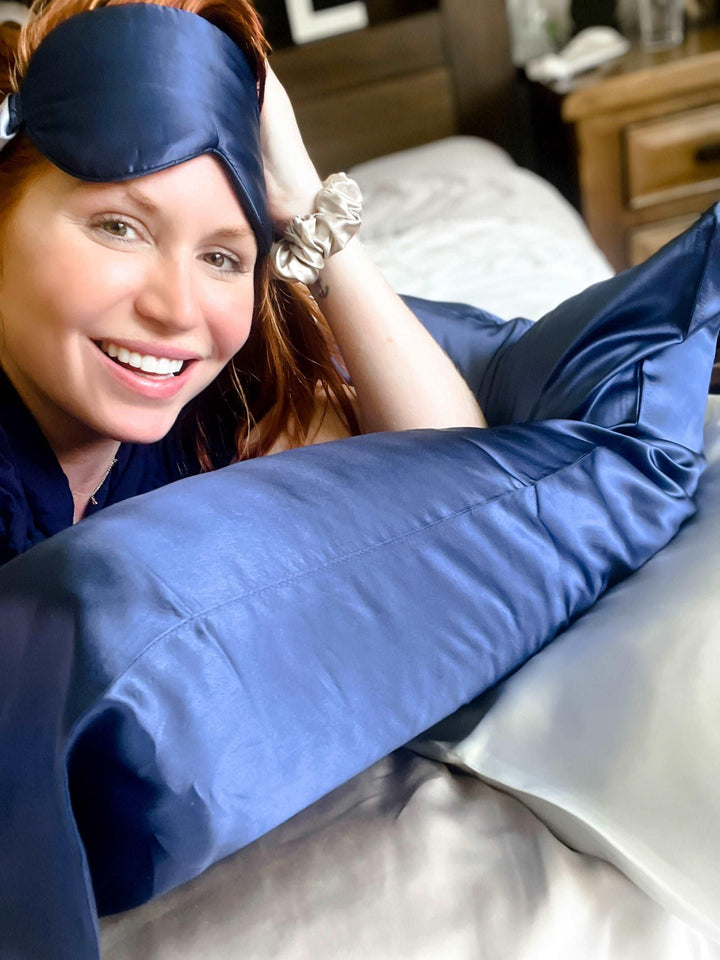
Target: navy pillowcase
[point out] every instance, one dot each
(203, 661)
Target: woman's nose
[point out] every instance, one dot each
(168, 293)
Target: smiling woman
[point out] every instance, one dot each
(144, 323)
(190, 668)
(157, 298)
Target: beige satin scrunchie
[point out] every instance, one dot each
(308, 242)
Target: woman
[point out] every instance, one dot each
(147, 332)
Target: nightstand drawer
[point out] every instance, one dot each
(644, 241)
(673, 157)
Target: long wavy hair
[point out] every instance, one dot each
(270, 388)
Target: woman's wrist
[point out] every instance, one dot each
(402, 378)
(299, 203)
(334, 268)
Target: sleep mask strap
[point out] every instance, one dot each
(9, 121)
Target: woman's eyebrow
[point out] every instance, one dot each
(233, 233)
(138, 197)
(142, 200)
(126, 190)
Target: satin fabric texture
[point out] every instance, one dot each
(610, 734)
(189, 668)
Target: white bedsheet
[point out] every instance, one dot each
(458, 220)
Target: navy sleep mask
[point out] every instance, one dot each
(120, 92)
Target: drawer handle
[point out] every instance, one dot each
(708, 154)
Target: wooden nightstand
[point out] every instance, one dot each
(647, 130)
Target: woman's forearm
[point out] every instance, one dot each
(402, 378)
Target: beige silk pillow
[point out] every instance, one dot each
(611, 734)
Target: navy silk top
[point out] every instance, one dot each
(35, 497)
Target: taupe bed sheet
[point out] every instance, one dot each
(409, 861)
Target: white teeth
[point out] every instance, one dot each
(147, 362)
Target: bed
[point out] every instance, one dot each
(571, 811)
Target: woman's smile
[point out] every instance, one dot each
(145, 362)
(147, 374)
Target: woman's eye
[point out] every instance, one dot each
(223, 262)
(119, 229)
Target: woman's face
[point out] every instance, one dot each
(120, 302)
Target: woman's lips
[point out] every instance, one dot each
(144, 348)
(151, 385)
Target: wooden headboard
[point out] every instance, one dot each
(403, 83)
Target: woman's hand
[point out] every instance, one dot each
(290, 177)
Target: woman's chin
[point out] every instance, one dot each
(138, 432)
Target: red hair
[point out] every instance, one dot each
(269, 388)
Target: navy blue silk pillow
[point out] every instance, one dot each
(200, 663)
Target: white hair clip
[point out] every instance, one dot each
(6, 123)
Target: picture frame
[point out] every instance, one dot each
(316, 19)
